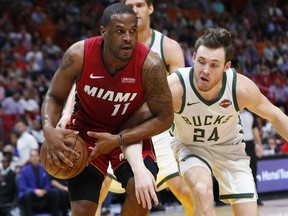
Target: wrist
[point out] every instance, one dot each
(121, 140)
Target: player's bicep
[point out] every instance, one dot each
(158, 94)
(249, 96)
(67, 73)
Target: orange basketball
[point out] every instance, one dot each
(76, 143)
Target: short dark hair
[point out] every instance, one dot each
(216, 38)
(149, 2)
(117, 8)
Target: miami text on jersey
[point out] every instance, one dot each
(109, 95)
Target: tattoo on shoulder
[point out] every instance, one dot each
(67, 60)
(159, 94)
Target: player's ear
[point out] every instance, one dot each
(227, 66)
(102, 30)
(194, 56)
(151, 9)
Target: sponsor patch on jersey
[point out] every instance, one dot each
(225, 103)
(128, 80)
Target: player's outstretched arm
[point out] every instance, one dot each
(54, 101)
(249, 96)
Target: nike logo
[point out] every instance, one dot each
(96, 77)
(190, 104)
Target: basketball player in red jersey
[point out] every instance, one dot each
(114, 76)
(171, 54)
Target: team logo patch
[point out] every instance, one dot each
(225, 103)
(128, 80)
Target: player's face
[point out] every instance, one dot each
(209, 66)
(121, 36)
(142, 11)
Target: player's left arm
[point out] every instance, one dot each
(158, 98)
(249, 96)
(159, 105)
(173, 55)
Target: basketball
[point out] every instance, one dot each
(77, 144)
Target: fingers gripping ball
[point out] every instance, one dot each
(77, 144)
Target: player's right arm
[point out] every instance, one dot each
(249, 96)
(61, 84)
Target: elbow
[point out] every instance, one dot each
(168, 122)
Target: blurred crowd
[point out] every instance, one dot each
(34, 34)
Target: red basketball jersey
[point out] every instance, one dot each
(104, 102)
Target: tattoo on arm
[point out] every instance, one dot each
(159, 96)
(67, 60)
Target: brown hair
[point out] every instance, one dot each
(216, 38)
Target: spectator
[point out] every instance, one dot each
(30, 105)
(38, 16)
(12, 105)
(25, 142)
(36, 53)
(271, 147)
(13, 142)
(269, 53)
(277, 92)
(61, 186)
(8, 151)
(2, 89)
(53, 50)
(218, 6)
(8, 186)
(37, 131)
(35, 190)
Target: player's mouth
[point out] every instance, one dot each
(204, 79)
(126, 47)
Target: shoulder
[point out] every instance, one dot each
(153, 58)
(26, 168)
(248, 93)
(171, 44)
(76, 49)
(173, 54)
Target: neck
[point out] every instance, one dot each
(113, 65)
(212, 93)
(145, 35)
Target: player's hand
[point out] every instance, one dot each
(106, 142)
(145, 188)
(56, 147)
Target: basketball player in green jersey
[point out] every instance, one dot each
(171, 53)
(208, 136)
